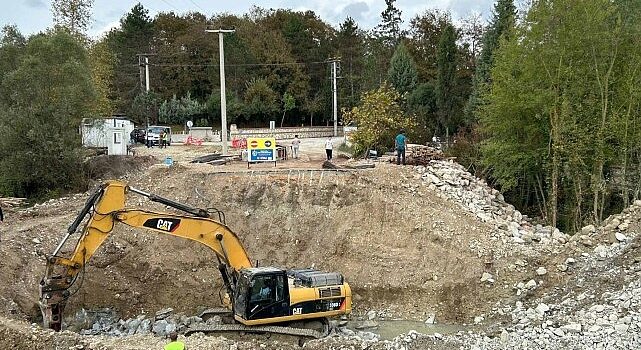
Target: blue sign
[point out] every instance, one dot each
(261, 155)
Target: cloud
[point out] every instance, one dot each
(463, 8)
(35, 3)
(99, 29)
(356, 10)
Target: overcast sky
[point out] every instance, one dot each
(32, 16)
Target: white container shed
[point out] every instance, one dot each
(111, 133)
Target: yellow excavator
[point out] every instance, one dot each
(260, 299)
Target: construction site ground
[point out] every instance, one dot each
(408, 252)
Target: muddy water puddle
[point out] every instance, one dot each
(389, 329)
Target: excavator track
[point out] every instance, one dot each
(292, 331)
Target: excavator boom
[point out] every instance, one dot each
(105, 208)
(263, 299)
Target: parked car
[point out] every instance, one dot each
(153, 134)
(138, 135)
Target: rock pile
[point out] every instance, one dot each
(421, 155)
(105, 322)
(452, 181)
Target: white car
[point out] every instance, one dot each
(153, 134)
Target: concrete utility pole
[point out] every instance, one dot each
(147, 74)
(147, 85)
(334, 62)
(223, 98)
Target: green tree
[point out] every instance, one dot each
(132, 38)
(389, 30)
(381, 44)
(144, 109)
(289, 102)
(74, 15)
(570, 74)
(402, 72)
(12, 43)
(378, 117)
(446, 98)
(42, 102)
(423, 43)
(502, 23)
(261, 102)
(350, 44)
(102, 62)
(421, 102)
(179, 110)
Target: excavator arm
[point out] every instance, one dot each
(105, 208)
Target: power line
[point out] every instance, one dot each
(238, 64)
(170, 5)
(202, 9)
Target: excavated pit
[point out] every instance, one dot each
(390, 245)
(408, 252)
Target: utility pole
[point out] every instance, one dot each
(143, 61)
(334, 61)
(146, 82)
(147, 74)
(223, 98)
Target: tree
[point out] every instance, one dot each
(260, 100)
(570, 73)
(384, 39)
(144, 109)
(402, 72)
(288, 104)
(12, 43)
(102, 62)
(389, 30)
(178, 111)
(502, 23)
(446, 99)
(378, 117)
(421, 102)
(132, 38)
(424, 38)
(42, 101)
(74, 15)
(350, 44)
(472, 30)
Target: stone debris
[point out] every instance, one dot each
(476, 196)
(487, 277)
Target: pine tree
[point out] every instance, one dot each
(446, 79)
(502, 22)
(402, 72)
(351, 49)
(389, 30)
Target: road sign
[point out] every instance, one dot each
(261, 149)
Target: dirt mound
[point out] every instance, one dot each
(114, 167)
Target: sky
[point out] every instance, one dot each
(33, 16)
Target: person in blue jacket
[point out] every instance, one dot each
(400, 143)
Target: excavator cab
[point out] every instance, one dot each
(262, 292)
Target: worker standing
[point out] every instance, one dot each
(295, 145)
(174, 344)
(399, 144)
(161, 139)
(329, 146)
